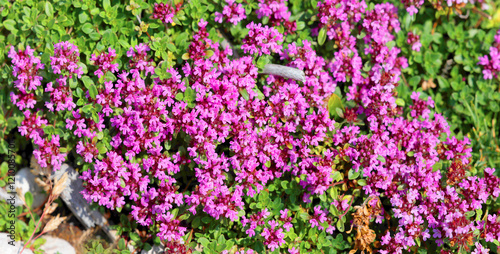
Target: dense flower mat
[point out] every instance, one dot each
(175, 124)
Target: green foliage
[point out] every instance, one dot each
(449, 58)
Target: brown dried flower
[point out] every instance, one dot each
(50, 208)
(43, 184)
(60, 184)
(362, 216)
(53, 223)
(428, 84)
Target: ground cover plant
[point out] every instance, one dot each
(387, 144)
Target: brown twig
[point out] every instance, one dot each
(404, 79)
(482, 13)
(188, 184)
(347, 210)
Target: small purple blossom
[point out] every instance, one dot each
(262, 40)
(65, 59)
(103, 62)
(233, 12)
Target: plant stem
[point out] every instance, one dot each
(37, 225)
(347, 210)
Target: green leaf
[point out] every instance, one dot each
(262, 61)
(83, 17)
(339, 112)
(304, 216)
(28, 197)
(268, 164)
(101, 148)
(340, 225)
(352, 174)
(381, 158)
(147, 247)
(470, 214)
(334, 103)
(414, 81)
(400, 102)
(189, 95)
(479, 213)
(206, 219)
(95, 36)
(244, 94)
(49, 10)
(334, 193)
(221, 240)
(134, 237)
(106, 4)
(121, 244)
(86, 108)
(209, 53)
(322, 36)
(284, 184)
(361, 182)
(179, 96)
(87, 81)
(92, 91)
(9, 24)
(337, 176)
(417, 240)
(300, 25)
(87, 28)
(204, 242)
(437, 166)
(196, 222)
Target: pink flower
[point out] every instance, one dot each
(164, 12)
(25, 69)
(103, 62)
(414, 41)
(65, 59)
(262, 40)
(233, 12)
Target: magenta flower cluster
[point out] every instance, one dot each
(491, 62)
(278, 14)
(414, 41)
(103, 61)
(25, 69)
(262, 40)
(65, 60)
(165, 12)
(232, 12)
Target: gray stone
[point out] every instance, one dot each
(26, 181)
(73, 198)
(155, 250)
(4, 195)
(13, 248)
(55, 245)
(284, 71)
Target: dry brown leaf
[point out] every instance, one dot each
(428, 84)
(60, 184)
(50, 208)
(43, 184)
(364, 235)
(53, 223)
